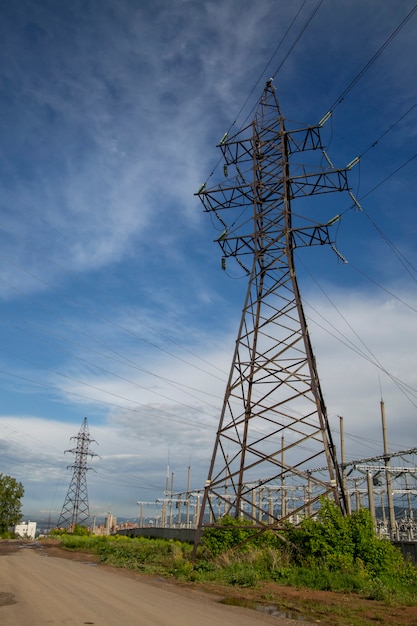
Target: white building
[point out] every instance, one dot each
(26, 530)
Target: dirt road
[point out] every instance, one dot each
(37, 590)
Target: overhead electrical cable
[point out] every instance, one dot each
(165, 415)
(407, 389)
(262, 74)
(75, 275)
(162, 413)
(371, 61)
(406, 263)
(122, 308)
(123, 360)
(94, 365)
(389, 129)
(408, 392)
(368, 355)
(306, 25)
(106, 319)
(384, 180)
(375, 282)
(298, 38)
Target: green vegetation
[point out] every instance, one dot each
(78, 530)
(11, 494)
(331, 553)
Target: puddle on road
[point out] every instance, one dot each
(268, 609)
(6, 598)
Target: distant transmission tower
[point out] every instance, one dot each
(273, 427)
(75, 509)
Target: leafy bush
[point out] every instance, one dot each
(228, 536)
(237, 533)
(344, 543)
(341, 553)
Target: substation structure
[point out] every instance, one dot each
(386, 485)
(389, 491)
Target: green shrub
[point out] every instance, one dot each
(229, 535)
(338, 542)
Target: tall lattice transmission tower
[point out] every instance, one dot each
(75, 509)
(273, 428)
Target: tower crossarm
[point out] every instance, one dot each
(309, 183)
(303, 139)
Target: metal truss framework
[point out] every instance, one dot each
(273, 424)
(75, 509)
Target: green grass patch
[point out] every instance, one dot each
(333, 553)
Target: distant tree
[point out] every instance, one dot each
(11, 493)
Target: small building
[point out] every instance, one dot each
(26, 530)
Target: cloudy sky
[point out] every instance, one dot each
(114, 305)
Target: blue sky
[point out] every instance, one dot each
(113, 302)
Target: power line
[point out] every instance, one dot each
(407, 390)
(108, 320)
(384, 180)
(306, 25)
(371, 61)
(298, 38)
(149, 389)
(389, 129)
(407, 265)
(164, 415)
(75, 276)
(261, 75)
(281, 41)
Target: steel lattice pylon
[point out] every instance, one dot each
(273, 426)
(76, 509)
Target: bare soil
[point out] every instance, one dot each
(325, 607)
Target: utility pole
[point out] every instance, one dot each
(387, 459)
(343, 459)
(75, 509)
(273, 387)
